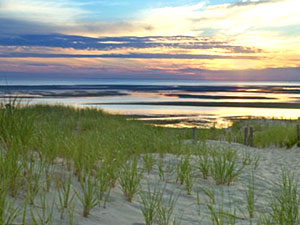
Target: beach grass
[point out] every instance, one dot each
(130, 179)
(148, 162)
(8, 211)
(250, 195)
(150, 201)
(88, 195)
(225, 167)
(285, 202)
(58, 155)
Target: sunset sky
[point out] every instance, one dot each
(170, 39)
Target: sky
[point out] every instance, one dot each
(151, 39)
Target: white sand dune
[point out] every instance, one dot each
(232, 198)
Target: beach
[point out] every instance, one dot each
(182, 112)
(65, 165)
(193, 208)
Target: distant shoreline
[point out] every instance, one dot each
(292, 89)
(211, 104)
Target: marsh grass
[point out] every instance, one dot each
(104, 181)
(113, 173)
(88, 195)
(166, 210)
(246, 158)
(48, 176)
(279, 133)
(256, 161)
(170, 169)
(97, 146)
(150, 202)
(130, 179)
(268, 133)
(189, 181)
(11, 171)
(204, 165)
(210, 193)
(148, 162)
(24, 211)
(158, 207)
(250, 159)
(220, 216)
(285, 202)
(250, 195)
(222, 213)
(34, 173)
(8, 211)
(184, 169)
(225, 167)
(71, 211)
(198, 204)
(35, 138)
(65, 196)
(264, 220)
(44, 214)
(16, 127)
(161, 170)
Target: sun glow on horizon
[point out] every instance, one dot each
(187, 39)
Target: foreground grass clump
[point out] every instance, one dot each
(225, 167)
(150, 201)
(185, 173)
(285, 202)
(130, 179)
(8, 212)
(250, 196)
(148, 162)
(88, 198)
(159, 210)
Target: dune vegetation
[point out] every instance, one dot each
(61, 165)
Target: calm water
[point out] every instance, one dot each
(120, 96)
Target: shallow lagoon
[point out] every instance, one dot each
(137, 98)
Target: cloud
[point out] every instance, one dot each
(50, 11)
(69, 16)
(252, 3)
(123, 42)
(115, 28)
(9, 27)
(13, 26)
(219, 36)
(239, 21)
(269, 74)
(229, 19)
(172, 20)
(272, 74)
(126, 56)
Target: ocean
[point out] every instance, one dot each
(175, 103)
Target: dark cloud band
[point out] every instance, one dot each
(127, 42)
(128, 56)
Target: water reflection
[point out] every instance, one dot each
(118, 93)
(202, 117)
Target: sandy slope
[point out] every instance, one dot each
(120, 211)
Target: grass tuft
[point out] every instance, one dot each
(225, 168)
(130, 179)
